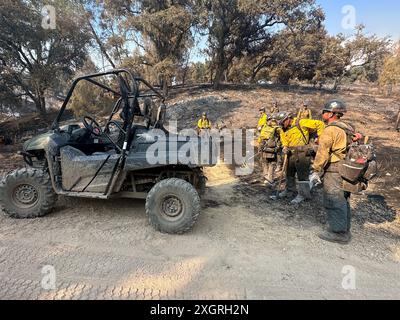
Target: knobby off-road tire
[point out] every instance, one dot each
(173, 206)
(27, 193)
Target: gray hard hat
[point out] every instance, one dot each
(282, 116)
(335, 106)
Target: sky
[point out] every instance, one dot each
(381, 17)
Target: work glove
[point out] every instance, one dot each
(259, 129)
(315, 179)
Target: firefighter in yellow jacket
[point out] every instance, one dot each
(262, 120)
(295, 139)
(304, 112)
(274, 108)
(204, 123)
(268, 145)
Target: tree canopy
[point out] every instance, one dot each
(241, 41)
(33, 58)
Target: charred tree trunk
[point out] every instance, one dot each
(221, 65)
(265, 62)
(256, 70)
(40, 105)
(253, 77)
(163, 83)
(40, 102)
(219, 75)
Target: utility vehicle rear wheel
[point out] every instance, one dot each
(27, 193)
(173, 206)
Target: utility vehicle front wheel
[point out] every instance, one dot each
(173, 206)
(27, 193)
(201, 185)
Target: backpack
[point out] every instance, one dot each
(359, 166)
(270, 146)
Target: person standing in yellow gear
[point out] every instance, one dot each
(262, 120)
(295, 139)
(274, 108)
(304, 112)
(268, 145)
(204, 123)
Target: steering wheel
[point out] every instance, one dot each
(92, 126)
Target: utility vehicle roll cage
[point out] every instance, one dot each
(126, 92)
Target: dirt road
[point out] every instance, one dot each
(241, 247)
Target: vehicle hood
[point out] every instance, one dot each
(39, 142)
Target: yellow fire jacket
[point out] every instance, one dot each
(262, 121)
(267, 132)
(293, 137)
(332, 147)
(204, 124)
(304, 114)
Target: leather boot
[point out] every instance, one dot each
(337, 237)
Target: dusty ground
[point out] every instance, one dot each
(243, 246)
